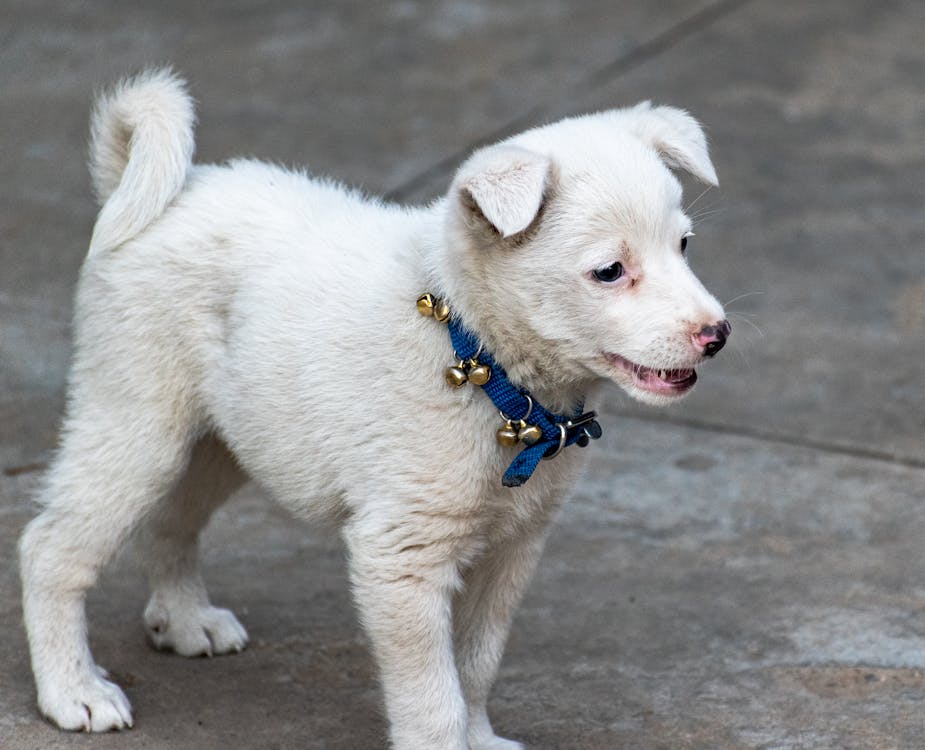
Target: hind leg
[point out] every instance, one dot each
(179, 616)
(118, 458)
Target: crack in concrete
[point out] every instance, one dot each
(794, 441)
(663, 42)
(645, 51)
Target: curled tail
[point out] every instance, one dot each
(141, 150)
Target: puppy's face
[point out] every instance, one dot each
(575, 247)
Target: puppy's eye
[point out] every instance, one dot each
(684, 241)
(610, 273)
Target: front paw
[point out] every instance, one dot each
(87, 703)
(194, 630)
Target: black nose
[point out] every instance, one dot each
(713, 338)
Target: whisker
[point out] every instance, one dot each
(741, 296)
(705, 213)
(745, 360)
(739, 316)
(693, 202)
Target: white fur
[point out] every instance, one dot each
(244, 320)
(507, 184)
(151, 118)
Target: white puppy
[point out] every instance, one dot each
(247, 321)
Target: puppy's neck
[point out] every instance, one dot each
(526, 357)
(523, 358)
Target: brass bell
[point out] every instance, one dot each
(530, 434)
(456, 375)
(426, 304)
(441, 311)
(478, 374)
(507, 435)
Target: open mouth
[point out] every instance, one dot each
(654, 380)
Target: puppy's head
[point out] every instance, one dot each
(568, 248)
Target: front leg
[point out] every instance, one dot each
(484, 609)
(403, 580)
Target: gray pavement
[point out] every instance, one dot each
(743, 571)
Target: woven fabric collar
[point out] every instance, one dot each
(517, 406)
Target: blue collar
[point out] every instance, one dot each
(522, 414)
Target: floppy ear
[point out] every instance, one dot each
(505, 184)
(677, 137)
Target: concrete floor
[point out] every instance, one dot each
(743, 571)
